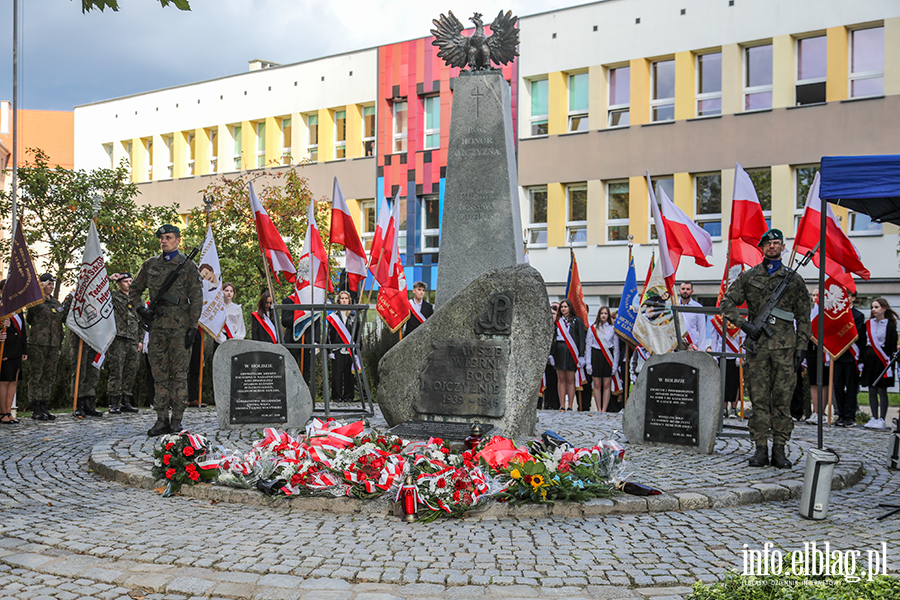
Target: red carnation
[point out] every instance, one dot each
(194, 476)
(188, 451)
(441, 483)
(456, 495)
(169, 445)
(170, 473)
(527, 479)
(167, 458)
(446, 451)
(295, 479)
(191, 468)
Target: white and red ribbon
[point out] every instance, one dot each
(266, 324)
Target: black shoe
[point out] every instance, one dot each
(89, 409)
(840, 423)
(175, 427)
(50, 416)
(779, 458)
(161, 427)
(126, 405)
(760, 458)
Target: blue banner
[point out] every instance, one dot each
(628, 306)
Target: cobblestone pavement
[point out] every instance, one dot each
(68, 533)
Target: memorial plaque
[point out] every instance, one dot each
(258, 388)
(673, 407)
(465, 377)
(442, 429)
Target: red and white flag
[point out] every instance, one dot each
(842, 256)
(270, 241)
(343, 232)
(840, 329)
(748, 224)
(314, 250)
(382, 248)
(393, 297)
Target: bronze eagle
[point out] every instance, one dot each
(476, 50)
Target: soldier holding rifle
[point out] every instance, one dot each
(176, 300)
(776, 299)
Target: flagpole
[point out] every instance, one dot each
(208, 202)
(627, 383)
(96, 207)
(380, 256)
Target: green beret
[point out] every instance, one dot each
(772, 234)
(167, 228)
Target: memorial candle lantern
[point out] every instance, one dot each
(408, 496)
(475, 437)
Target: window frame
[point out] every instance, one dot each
(191, 148)
(705, 96)
(767, 214)
(617, 222)
(535, 227)
(800, 203)
(260, 130)
(312, 148)
(368, 142)
(540, 119)
(701, 218)
(236, 137)
(863, 75)
(434, 232)
(657, 104)
(400, 143)
(748, 90)
(367, 236)
(170, 162)
(582, 115)
(573, 227)
(212, 136)
(434, 100)
(148, 146)
(340, 134)
(809, 81)
(286, 139)
(651, 226)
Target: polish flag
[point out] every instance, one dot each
(381, 227)
(384, 270)
(343, 232)
(840, 331)
(841, 255)
(318, 258)
(393, 303)
(271, 242)
(748, 224)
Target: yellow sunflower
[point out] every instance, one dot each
(537, 481)
(515, 474)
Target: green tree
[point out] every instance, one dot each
(55, 207)
(89, 5)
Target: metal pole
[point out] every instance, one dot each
(15, 115)
(823, 207)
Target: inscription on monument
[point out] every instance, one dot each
(672, 414)
(258, 388)
(465, 377)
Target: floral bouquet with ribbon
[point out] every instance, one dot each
(179, 459)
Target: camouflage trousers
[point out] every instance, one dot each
(771, 376)
(122, 361)
(42, 362)
(89, 375)
(169, 363)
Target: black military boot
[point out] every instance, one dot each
(161, 427)
(779, 458)
(114, 404)
(79, 409)
(175, 426)
(126, 405)
(760, 458)
(40, 412)
(89, 409)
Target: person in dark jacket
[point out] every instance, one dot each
(568, 352)
(342, 358)
(15, 350)
(846, 372)
(881, 334)
(262, 329)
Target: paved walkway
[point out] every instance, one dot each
(67, 532)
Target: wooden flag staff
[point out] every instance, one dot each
(96, 207)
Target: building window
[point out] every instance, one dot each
(812, 63)
(128, 148)
(213, 150)
(619, 97)
(576, 215)
(108, 149)
(368, 221)
(662, 96)
(708, 203)
(368, 135)
(537, 217)
(867, 62)
(617, 205)
(286, 141)
(709, 84)
(312, 146)
(804, 177)
(170, 154)
(400, 127)
(578, 102)
(661, 185)
(236, 134)
(762, 182)
(191, 152)
(148, 144)
(540, 101)
(340, 134)
(429, 223)
(862, 224)
(758, 77)
(432, 122)
(260, 145)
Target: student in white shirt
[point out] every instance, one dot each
(601, 365)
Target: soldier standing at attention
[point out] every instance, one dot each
(122, 356)
(45, 343)
(772, 369)
(172, 326)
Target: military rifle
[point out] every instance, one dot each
(148, 313)
(766, 317)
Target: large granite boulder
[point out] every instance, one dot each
(479, 358)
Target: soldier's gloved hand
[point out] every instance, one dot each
(145, 313)
(753, 332)
(189, 338)
(799, 357)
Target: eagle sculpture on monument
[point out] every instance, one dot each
(478, 50)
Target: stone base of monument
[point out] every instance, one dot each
(676, 401)
(479, 358)
(454, 432)
(258, 385)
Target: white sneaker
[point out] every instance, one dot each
(876, 424)
(813, 418)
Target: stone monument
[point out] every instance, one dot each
(479, 358)
(258, 385)
(676, 400)
(481, 227)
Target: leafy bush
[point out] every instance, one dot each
(796, 587)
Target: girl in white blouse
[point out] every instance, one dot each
(602, 365)
(234, 317)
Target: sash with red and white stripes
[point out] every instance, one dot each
(878, 350)
(98, 360)
(227, 331)
(18, 323)
(567, 337)
(602, 348)
(335, 321)
(266, 323)
(416, 311)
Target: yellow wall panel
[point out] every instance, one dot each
(838, 71)
(556, 214)
(557, 105)
(354, 130)
(891, 54)
(596, 215)
(201, 152)
(355, 208)
(638, 208)
(732, 79)
(598, 97)
(248, 145)
(782, 71)
(138, 161)
(685, 85)
(640, 92)
(684, 193)
(326, 135)
(179, 155)
(783, 199)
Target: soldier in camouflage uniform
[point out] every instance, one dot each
(88, 376)
(44, 345)
(122, 356)
(772, 370)
(172, 326)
